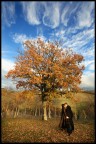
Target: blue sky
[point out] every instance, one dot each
(72, 22)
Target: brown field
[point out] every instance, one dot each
(35, 130)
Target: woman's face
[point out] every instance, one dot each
(65, 105)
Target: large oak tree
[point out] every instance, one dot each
(46, 67)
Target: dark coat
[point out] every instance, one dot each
(67, 123)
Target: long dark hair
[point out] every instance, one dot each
(62, 108)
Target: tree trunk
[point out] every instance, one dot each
(36, 111)
(15, 114)
(17, 111)
(49, 112)
(84, 113)
(55, 111)
(7, 112)
(39, 111)
(33, 112)
(25, 112)
(75, 115)
(12, 113)
(44, 116)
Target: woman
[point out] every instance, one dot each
(66, 121)
(62, 124)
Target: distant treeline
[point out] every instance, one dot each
(16, 104)
(88, 91)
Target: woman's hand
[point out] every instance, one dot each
(67, 117)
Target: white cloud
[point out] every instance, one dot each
(8, 13)
(48, 12)
(30, 10)
(60, 33)
(88, 62)
(84, 16)
(7, 65)
(39, 31)
(42, 37)
(90, 52)
(79, 40)
(92, 66)
(51, 16)
(76, 41)
(72, 30)
(64, 18)
(88, 80)
(68, 10)
(20, 38)
(6, 52)
(51, 13)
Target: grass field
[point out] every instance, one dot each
(35, 130)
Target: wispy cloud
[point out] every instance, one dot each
(79, 40)
(92, 66)
(84, 16)
(40, 34)
(68, 10)
(8, 52)
(30, 10)
(8, 13)
(88, 62)
(39, 31)
(34, 14)
(51, 17)
(52, 14)
(19, 38)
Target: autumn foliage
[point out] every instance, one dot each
(46, 67)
